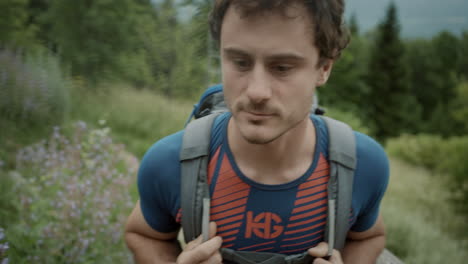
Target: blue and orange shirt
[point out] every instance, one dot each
(285, 218)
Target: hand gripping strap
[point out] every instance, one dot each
(342, 157)
(194, 183)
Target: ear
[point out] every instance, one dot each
(324, 72)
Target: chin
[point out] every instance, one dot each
(258, 140)
(256, 136)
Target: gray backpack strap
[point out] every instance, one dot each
(194, 188)
(342, 158)
(194, 156)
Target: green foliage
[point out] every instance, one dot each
(34, 91)
(349, 118)
(205, 46)
(92, 36)
(459, 108)
(390, 107)
(422, 150)
(3, 247)
(432, 66)
(393, 86)
(179, 69)
(447, 156)
(137, 118)
(353, 25)
(346, 87)
(15, 31)
(456, 149)
(71, 196)
(419, 217)
(462, 62)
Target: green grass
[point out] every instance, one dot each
(14, 136)
(137, 118)
(422, 226)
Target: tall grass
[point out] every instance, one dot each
(34, 95)
(138, 118)
(440, 155)
(422, 225)
(33, 89)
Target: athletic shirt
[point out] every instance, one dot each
(284, 218)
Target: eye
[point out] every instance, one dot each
(242, 64)
(282, 68)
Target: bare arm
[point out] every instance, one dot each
(147, 245)
(152, 247)
(361, 247)
(365, 247)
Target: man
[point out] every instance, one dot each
(268, 167)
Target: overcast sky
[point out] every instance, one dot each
(419, 18)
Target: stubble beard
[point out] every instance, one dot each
(263, 139)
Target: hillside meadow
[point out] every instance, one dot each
(86, 87)
(115, 128)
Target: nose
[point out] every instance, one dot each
(259, 85)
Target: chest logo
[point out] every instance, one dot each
(264, 225)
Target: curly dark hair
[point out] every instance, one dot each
(326, 16)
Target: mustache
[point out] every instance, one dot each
(256, 108)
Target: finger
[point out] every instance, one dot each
(336, 257)
(319, 251)
(321, 261)
(215, 259)
(194, 243)
(205, 250)
(213, 229)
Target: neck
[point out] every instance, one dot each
(280, 161)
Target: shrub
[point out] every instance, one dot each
(33, 89)
(444, 156)
(3, 247)
(421, 150)
(349, 118)
(419, 217)
(74, 196)
(455, 151)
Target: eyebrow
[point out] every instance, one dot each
(279, 56)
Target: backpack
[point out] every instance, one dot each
(195, 200)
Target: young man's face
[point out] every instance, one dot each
(270, 71)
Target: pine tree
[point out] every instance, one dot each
(353, 25)
(390, 107)
(432, 67)
(462, 64)
(346, 87)
(205, 46)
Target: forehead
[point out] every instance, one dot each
(290, 28)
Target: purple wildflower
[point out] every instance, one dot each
(87, 198)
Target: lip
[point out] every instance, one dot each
(258, 115)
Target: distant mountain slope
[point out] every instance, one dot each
(419, 18)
